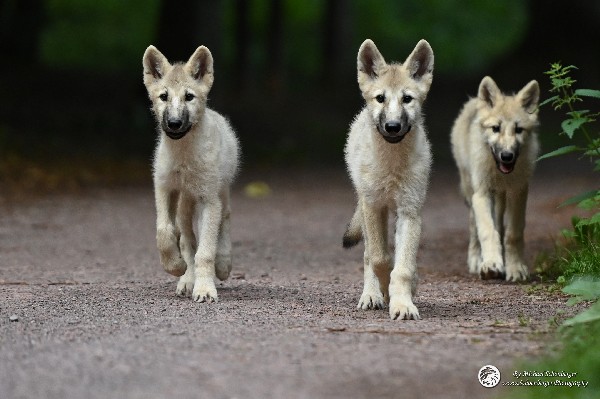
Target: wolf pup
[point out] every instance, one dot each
(194, 165)
(495, 147)
(389, 158)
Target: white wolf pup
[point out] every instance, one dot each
(495, 147)
(389, 159)
(194, 165)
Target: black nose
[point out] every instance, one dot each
(393, 127)
(174, 124)
(507, 156)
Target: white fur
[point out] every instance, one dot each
(490, 194)
(192, 178)
(389, 178)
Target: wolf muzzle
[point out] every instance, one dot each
(176, 127)
(394, 132)
(505, 159)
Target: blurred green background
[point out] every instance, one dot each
(73, 108)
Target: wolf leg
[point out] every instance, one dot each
(187, 244)
(223, 258)
(204, 284)
(492, 265)
(404, 275)
(167, 234)
(376, 259)
(353, 233)
(474, 254)
(514, 241)
(499, 210)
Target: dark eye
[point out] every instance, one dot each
(380, 98)
(164, 96)
(189, 96)
(406, 99)
(518, 129)
(496, 128)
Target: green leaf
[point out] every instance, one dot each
(590, 203)
(561, 151)
(549, 100)
(593, 148)
(578, 114)
(570, 125)
(587, 222)
(590, 315)
(575, 300)
(589, 288)
(578, 198)
(588, 93)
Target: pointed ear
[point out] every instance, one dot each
(155, 65)
(200, 66)
(529, 96)
(369, 61)
(489, 91)
(420, 62)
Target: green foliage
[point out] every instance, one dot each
(570, 261)
(465, 35)
(583, 289)
(578, 355)
(580, 334)
(117, 32)
(98, 35)
(580, 338)
(566, 96)
(582, 255)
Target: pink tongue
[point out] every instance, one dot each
(505, 168)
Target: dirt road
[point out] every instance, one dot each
(96, 317)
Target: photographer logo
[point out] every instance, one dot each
(489, 376)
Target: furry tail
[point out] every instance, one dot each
(353, 234)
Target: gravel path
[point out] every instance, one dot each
(96, 317)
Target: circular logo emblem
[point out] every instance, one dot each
(488, 376)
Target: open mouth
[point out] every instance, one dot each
(394, 139)
(505, 168)
(177, 134)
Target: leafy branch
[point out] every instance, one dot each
(562, 84)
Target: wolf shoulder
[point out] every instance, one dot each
(228, 144)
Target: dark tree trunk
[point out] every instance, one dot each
(275, 48)
(242, 41)
(336, 39)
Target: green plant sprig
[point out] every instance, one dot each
(562, 84)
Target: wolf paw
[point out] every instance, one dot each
(516, 272)
(205, 290)
(170, 256)
(174, 265)
(371, 301)
(490, 270)
(223, 266)
(185, 286)
(402, 309)
(474, 263)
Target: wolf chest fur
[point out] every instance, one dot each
(195, 162)
(495, 145)
(389, 158)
